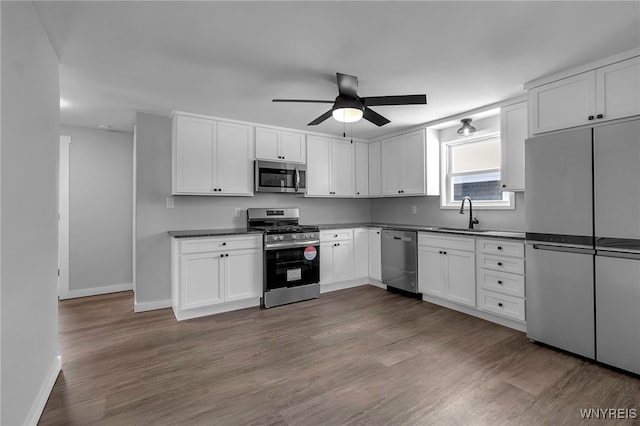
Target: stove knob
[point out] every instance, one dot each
(281, 237)
(294, 236)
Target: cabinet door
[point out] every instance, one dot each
(326, 262)
(430, 273)
(618, 312)
(292, 147)
(243, 277)
(343, 261)
(392, 167)
(360, 253)
(194, 149)
(461, 277)
(562, 104)
(318, 165)
(375, 170)
(267, 141)
(201, 278)
(375, 255)
(414, 178)
(234, 159)
(342, 168)
(618, 88)
(513, 132)
(362, 169)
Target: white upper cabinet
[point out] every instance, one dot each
(211, 157)
(513, 132)
(564, 103)
(404, 165)
(604, 93)
(362, 169)
(375, 169)
(330, 167)
(618, 89)
(278, 145)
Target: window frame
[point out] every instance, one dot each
(446, 177)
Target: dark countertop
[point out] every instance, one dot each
(489, 233)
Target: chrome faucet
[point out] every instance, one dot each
(472, 220)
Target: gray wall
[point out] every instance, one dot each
(29, 207)
(153, 219)
(398, 210)
(100, 209)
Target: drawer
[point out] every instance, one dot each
(336, 235)
(454, 243)
(499, 263)
(198, 245)
(500, 304)
(501, 282)
(501, 247)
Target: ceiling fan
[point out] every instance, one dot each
(348, 107)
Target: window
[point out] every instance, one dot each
(472, 168)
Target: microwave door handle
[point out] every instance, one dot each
(297, 180)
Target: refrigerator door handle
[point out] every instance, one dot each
(618, 254)
(548, 247)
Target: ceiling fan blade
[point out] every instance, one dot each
(321, 118)
(395, 100)
(303, 100)
(347, 85)
(374, 117)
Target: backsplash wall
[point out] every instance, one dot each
(398, 210)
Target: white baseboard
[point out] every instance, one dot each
(377, 283)
(516, 325)
(45, 390)
(216, 309)
(114, 288)
(341, 285)
(151, 306)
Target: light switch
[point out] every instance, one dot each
(170, 202)
(414, 209)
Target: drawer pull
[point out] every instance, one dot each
(500, 282)
(335, 236)
(500, 304)
(499, 263)
(499, 247)
(224, 244)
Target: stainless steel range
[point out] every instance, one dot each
(291, 255)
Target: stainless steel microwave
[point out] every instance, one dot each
(272, 176)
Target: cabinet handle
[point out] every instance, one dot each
(337, 244)
(504, 185)
(499, 263)
(220, 189)
(440, 252)
(500, 282)
(591, 117)
(283, 157)
(599, 116)
(224, 244)
(226, 255)
(499, 247)
(378, 232)
(500, 304)
(357, 193)
(222, 255)
(335, 236)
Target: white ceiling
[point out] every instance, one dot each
(229, 59)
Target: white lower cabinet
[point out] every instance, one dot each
(446, 268)
(212, 275)
(360, 253)
(336, 255)
(375, 254)
(500, 277)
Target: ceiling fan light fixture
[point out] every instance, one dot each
(466, 129)
(347, 115)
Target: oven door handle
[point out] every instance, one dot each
(286, 245)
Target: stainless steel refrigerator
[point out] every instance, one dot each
(582, 207)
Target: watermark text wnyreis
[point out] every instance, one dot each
(608, 413)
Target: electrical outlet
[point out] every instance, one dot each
(170, 203)
(414, 209)
(238, 212)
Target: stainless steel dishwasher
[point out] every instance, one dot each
(400, 260)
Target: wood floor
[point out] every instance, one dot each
(360, 356)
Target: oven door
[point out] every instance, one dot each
(280, 177)
(291, 266)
